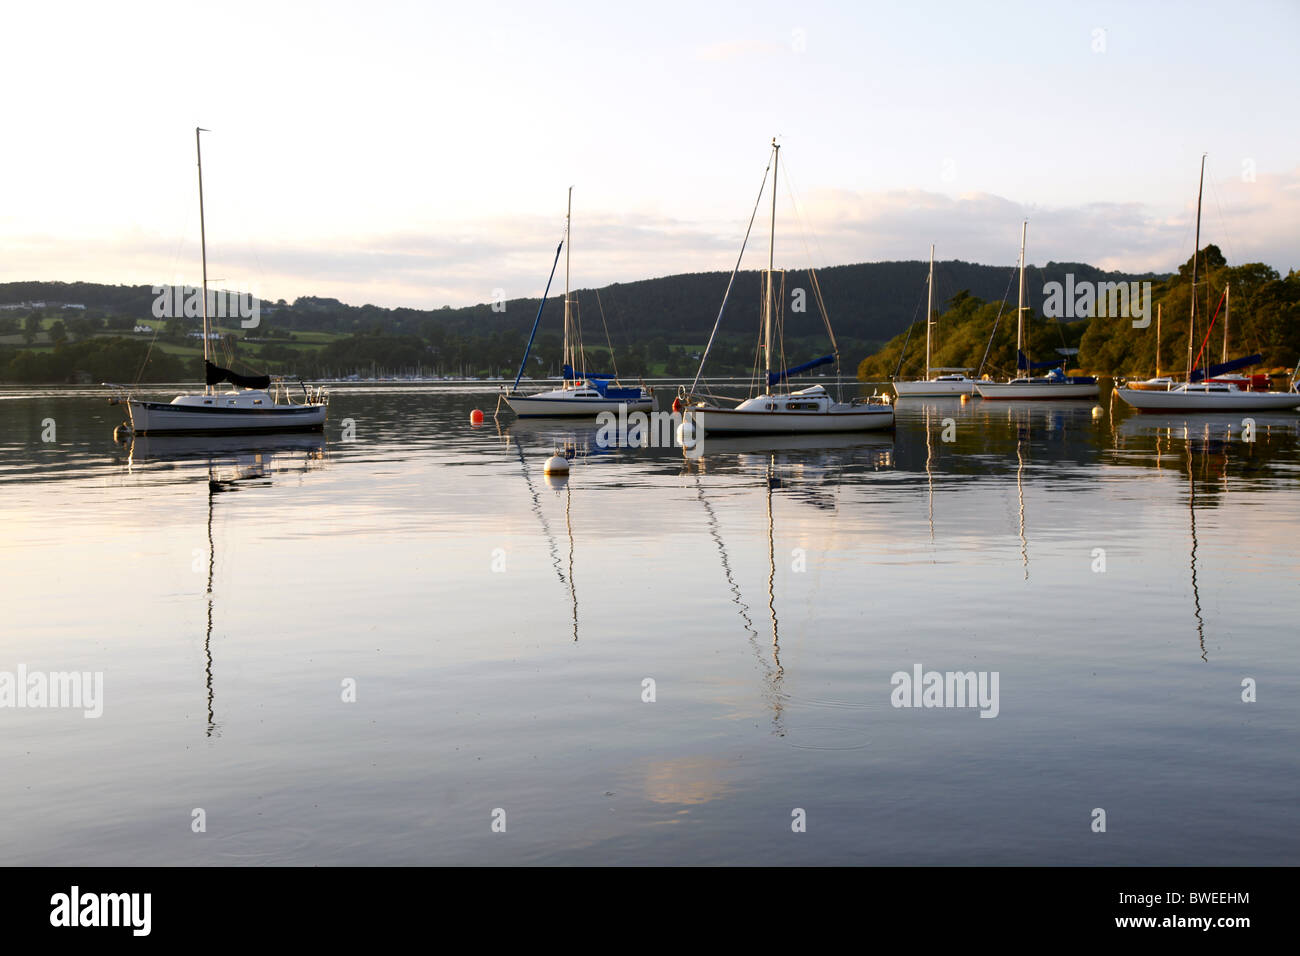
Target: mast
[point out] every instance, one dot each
(1196, 252)
(1020, 307)
(1159, 306)
(1227, 311)
(929, 312)
(568, 218)
(203, 246)
(768, 305)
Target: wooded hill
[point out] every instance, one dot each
(1264, 317)
(656, 326)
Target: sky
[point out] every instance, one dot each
(419, 154)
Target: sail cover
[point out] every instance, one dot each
(1024, 362)
(1225, 367)
(215, 375)
(774, 377)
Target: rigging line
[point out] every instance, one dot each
(612, 361)
(907, 338)
(779, 305)
(813, 281)
(705, 357)
(1060, 329)
(812, 272)
(1001, 308)
(1223, 225)
(803, 233)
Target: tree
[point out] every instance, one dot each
(32, 327)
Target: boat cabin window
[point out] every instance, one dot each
(257, 401)
(801, 406)
(771, 406)
(207, 401)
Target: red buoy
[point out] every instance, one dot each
(476, 417)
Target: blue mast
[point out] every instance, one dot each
(532, 335)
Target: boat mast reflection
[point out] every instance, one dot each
(231, 463)
(556, 483)
(773, 670)
(1191, 510)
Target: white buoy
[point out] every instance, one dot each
(556, 465)
(1097, 411)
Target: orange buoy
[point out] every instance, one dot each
(476, 417)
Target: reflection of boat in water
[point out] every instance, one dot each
(559, 483)
(1220, 425)
(228, 463)
(777, 443)
(209, 447)
(227, 457)
(812, 464)
(773, 671)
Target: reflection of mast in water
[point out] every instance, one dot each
(566, 581)
(929, 472)
(772, 673)
(213, 488)
(1191, 507)
(573, 587)
(779, 672)
(1020, 495)
(537, 510)
(726, 564)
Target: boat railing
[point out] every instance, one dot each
(120, 394)
(874, 399)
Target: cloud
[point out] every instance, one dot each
(462, 263)
(728, 51)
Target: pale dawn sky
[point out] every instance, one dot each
(419, 153)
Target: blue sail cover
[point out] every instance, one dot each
(571, 376)
(774, 377)
(1224, 368)
(1023, 362)
(603, 384)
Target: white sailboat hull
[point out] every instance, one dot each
(730, 421)
(935, 388)
(159, 418)
(536, 406)
(1037, 391)
(1195, 400)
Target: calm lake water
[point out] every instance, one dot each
(1121, 575)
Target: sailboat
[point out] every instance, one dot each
(581, 393)
(1201, 391)
(951, 384)
(1158, 382)
(1056, 384)
(249, 406)
(805, 410)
